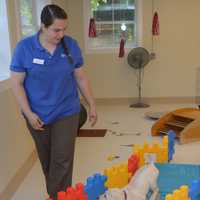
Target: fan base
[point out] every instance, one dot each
(139, 105)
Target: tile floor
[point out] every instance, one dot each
(91, 153)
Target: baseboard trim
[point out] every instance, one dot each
(18, 178)
(148, 100)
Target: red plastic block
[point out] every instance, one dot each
(133, 164)
(71, 193)
(61, 195)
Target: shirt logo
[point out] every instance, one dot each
(38, 61)
(62, 55)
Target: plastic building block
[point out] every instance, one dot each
(179, 194)
(171, 144)
(71, 193)
(95, 186)
(155, 152)
(138, 150)
(80, 192)
(133, 164)
(112, 157)
(118, 176)
(61, 195)
(169, 197)
(194, 191)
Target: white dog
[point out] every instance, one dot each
(144, 180)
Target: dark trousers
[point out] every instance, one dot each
(55, 148)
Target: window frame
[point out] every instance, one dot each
(13, 12)
(34, 17)
(6, 76)
(37, 6)
(36, 9)
(138, 34)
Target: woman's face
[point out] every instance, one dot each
(55, 32)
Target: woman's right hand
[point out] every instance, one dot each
(35, 121)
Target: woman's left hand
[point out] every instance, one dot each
(92, 115)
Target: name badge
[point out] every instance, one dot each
(38, 61)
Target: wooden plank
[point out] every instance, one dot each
(185, 122)
(178, 124)
(91, 132)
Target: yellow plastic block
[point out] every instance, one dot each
(184, 191)
(159, 151)
(118, 176)
(165, 141)
(146, 147)
(179, 194)
(169, 197)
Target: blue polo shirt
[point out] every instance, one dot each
(50, 84)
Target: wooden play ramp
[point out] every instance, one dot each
(185, 122)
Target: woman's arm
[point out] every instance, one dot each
(84, 87)
(17, 80)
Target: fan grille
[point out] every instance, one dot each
(138, 57)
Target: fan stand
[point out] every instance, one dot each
(139, 104)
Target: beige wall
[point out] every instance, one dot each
(174, 72)
(171, 74)
(15, 144)
(13, 21)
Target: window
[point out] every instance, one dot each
(5, 42)
(28, 22)
(30, 15)
(114, 18)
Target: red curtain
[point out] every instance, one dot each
(121, 48)
(155, 24)
(92, 28)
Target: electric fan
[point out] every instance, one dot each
(138, 58)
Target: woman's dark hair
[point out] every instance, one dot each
(50, 13)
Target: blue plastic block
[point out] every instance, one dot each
(100, 183)
(194, 190)
(171, 144)
(95, 186)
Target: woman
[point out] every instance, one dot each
(46, 70)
